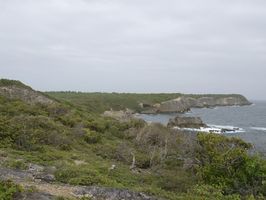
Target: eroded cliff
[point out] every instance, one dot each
(186, 102)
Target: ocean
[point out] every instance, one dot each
(250, 119)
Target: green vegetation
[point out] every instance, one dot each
(100, 102)
(225, 162)
(8, 190)
(7, 82)
(82, 146)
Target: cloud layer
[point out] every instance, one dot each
(207, 46)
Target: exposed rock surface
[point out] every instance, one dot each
(121, 115)
(110, 194)
(186, 122)
(176, 105)
(25, 94)
(50, 191)
(186, 102)
(35, 196)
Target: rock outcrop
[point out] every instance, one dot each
(95, 192)
(122, 116)
(17, 90)
(26, 95)
(186, 122)
(35, 196)
(45, 190)
(176, 105)
(186, 102)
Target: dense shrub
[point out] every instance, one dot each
(208, 192)
(29, 132)
(79, 176)
(225, 162)
(16, 164)
(92, 137)
(8, 190)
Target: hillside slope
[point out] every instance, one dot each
(55, 147)
(17, 90)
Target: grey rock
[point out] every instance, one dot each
(35, 168)
(14, 174)
(96, 193)
(45, 177)
(110, 194)
(34, 196)
(122, 115)
(185, 103)
(186, 122)
(25, 94)
(175, 105)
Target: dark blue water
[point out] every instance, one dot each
(250, 118)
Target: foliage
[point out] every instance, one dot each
(7, 82)
(100, 102)
(8, 190)
(92, 137)
(208, 192)
(16, 164)
(225, 161)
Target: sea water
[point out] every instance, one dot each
(251, 120)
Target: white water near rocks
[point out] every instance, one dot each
(251, 120)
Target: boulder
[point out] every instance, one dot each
(46, 177)
(186, 122)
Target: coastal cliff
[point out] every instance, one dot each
(186, 102)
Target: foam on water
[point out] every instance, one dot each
(258, 128)
(250, 121)
(230, 129)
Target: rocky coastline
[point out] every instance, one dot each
(185, 103)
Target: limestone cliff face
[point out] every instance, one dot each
(185, 103)
(122, 116)
(175, 105)
(25, 94)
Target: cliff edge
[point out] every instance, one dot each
(186, 102)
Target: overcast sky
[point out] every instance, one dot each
(191, 46)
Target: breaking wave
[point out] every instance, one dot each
(258, 128)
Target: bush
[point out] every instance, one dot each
(208, 192)
(16, 164)
(92, 137)
(29, 132)
(8, 190)
(225, 161)
(75, 175)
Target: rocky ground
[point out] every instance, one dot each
(45, 187)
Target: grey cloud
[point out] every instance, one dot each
(207, 46)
